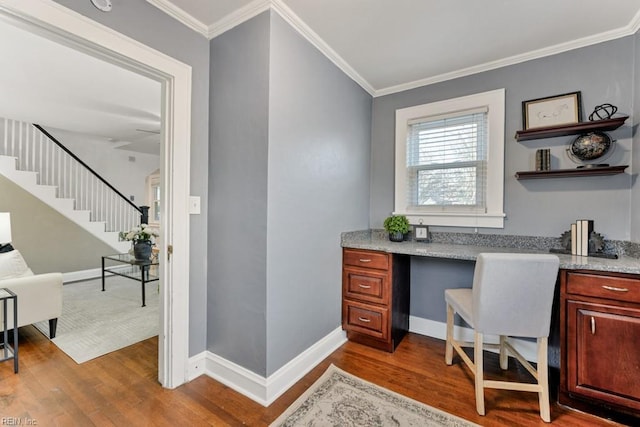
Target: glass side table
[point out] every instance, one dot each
(128, 266)
(7, 352)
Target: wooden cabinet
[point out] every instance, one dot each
(375, 297)
(600, 342)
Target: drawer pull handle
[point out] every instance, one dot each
(365, 286)
(612, 288)
(364, 260)
(364, 320)
(593, 325)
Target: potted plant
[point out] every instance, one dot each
(397, 226)
(142, 238)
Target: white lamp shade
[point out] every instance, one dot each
(5, 227)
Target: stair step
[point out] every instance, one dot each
(7, 162)
(66, 204)
(84, 216)
(48, 191)
(23, 178)
(28, 180)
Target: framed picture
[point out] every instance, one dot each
(421, 233)
(552, 111)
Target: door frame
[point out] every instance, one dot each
(67, 26)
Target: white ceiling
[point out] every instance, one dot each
(384, 45)
(45, 82)
(392, 45)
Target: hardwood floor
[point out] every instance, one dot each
(121, 389)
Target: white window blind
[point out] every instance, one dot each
(447, 161)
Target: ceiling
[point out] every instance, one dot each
(392, 45)
(46, 82)
(384, 45)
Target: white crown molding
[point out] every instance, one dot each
(634, 25)
(629, 29)
(237, 17)
(258, 6)
(312, 37)
(175, 12)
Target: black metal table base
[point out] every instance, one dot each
(144, 277)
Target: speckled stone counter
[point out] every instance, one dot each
(474, 244)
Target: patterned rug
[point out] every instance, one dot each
(94, 323)
(341, 399)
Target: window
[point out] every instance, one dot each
(450, 161)
(153, 197)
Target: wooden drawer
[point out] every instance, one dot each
(610, 287)
(366, 319)
(366, 285)
(366, 259)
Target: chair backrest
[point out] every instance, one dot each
(513, 293)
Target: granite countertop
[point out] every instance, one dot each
(379, 241)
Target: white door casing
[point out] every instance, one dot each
(66, 26)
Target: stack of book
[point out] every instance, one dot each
(580, 233)
(543, 159)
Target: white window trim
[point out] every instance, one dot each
(494, 216)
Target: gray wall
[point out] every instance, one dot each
(319, 136)
(289, 172)
(152, 27)
(237, 293)
(603, 72)
(635, 190)
(48, 241)
(115, 165)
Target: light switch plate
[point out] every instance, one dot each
(194, 205)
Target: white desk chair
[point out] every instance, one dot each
(512, 295)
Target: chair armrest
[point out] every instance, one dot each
(39, 297)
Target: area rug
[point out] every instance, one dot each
(94, 323)
(338, 398)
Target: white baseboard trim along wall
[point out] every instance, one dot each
(266, 390)
(260, 389)
(75, 276)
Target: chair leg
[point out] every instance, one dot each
(543, 380)
(448, 349)
(53, 324)
(504, 355)
(479, 380)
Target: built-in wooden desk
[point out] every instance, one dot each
(598, 300)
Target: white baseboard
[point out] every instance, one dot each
(434, 329)
(258, 388)
(74, 276)
(266, 390)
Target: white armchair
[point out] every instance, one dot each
(39, 298)
(39, 295)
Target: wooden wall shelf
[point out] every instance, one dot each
(571, 129)
(567, 173)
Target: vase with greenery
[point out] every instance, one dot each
(397, 226)
(142, 238)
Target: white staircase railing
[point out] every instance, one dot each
(36, 150)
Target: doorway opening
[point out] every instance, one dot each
(72, 29)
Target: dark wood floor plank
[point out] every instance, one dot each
(121, 388)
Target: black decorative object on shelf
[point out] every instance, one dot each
(603, 112)
(590, 147)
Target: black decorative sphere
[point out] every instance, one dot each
(590, 146)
